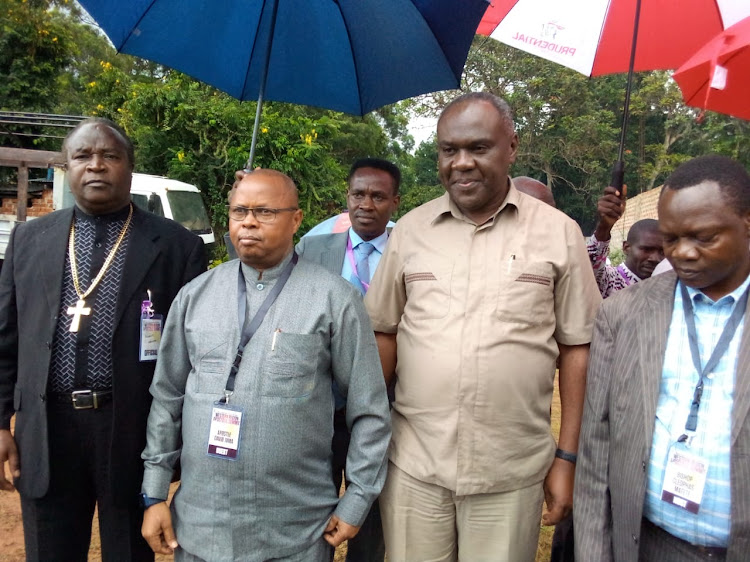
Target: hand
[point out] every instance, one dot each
(338, 531)
(558, 492)
(157, 529)
(610, 208)
(9, 454)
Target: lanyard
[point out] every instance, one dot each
(721, 348)
(350, 255)
(249, 328)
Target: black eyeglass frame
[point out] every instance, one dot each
(258, 212)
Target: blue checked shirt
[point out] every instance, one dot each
(710, 526)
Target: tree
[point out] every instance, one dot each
(36, 45)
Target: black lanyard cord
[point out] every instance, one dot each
(249, 328)
(721, 348)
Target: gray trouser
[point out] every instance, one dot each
(320, 551)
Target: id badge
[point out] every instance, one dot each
(151, 325)
(224, 434)
(684, 480)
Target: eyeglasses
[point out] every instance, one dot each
(261, 214)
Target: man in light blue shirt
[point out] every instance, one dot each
(663, 471)
(372, 198)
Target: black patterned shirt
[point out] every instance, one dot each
(86, 355)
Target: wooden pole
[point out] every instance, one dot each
(23, 192)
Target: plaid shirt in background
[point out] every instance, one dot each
(610, 279)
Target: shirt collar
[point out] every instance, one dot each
(270, 274)
(446, 206)
(379, 243)
(120, 215)
(731, 298)
(626, 270)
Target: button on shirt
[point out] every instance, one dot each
(710, 527)
(478, 311)
(347, 271)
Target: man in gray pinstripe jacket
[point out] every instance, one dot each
(663, 471)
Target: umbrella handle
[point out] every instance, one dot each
(262, 89)
(618, 175)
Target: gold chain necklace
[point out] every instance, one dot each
(80, 308)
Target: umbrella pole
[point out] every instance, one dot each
(618, 171)
(264, 75)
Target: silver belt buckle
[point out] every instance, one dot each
(85, 405)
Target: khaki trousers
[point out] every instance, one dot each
(428, 523)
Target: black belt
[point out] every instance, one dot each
(83, 399)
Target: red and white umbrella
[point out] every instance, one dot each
(597, 37)
(717, 77)
(594, 37)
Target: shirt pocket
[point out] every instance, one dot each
(526, 293)
(212, 369)
(428, 291)
(290, 369)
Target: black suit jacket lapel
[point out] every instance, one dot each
(142, 252)
(53, 249)
(652, 337)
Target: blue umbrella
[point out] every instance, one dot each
(347, 55)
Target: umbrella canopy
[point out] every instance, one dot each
(717, 77)
(347, 55)
(598, 37)
(594, 37)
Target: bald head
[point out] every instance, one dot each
(263, 217)
(535, 189)
(280, 180)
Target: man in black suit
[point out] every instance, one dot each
(372, 198)
(81, 298)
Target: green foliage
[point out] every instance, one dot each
(616, 256)
(36, 45)
(52, 60)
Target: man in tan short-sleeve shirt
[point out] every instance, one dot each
(473, 297)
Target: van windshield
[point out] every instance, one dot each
(188, 210)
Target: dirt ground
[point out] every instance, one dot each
(11, 530)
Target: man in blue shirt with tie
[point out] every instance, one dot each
(372, 198)
(663, 470)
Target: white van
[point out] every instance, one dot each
(162, 196)
(174, 200)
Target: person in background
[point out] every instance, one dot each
(535, 189)
(643, 247)
(371, 198)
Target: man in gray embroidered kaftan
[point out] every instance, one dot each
(255, 448)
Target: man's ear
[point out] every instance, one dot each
(625, 247)
(297, 219)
